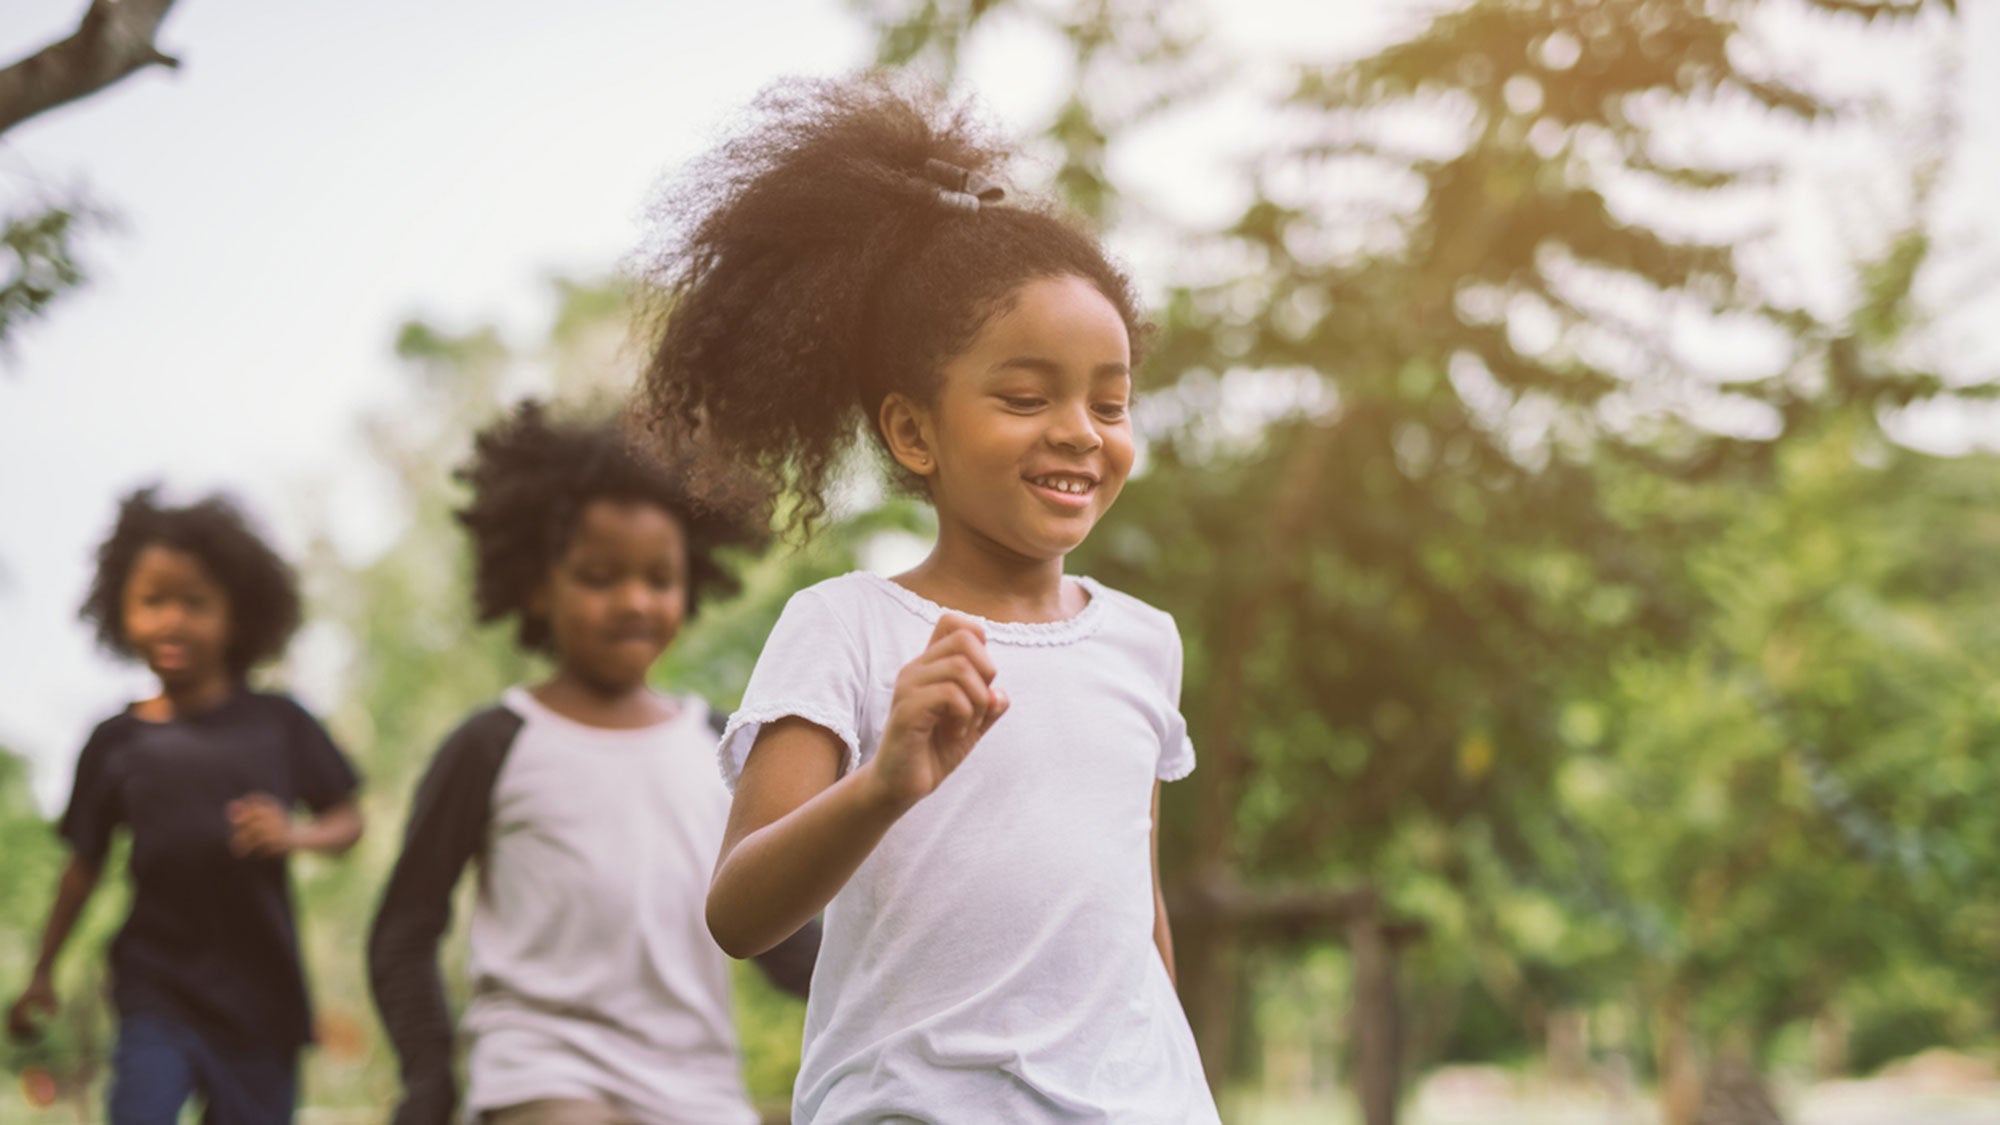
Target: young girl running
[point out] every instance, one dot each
(205, 776)
(592, 804)
(959, 765)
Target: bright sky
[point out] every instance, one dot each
(315, 174)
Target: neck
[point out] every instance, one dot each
(976, 575)
(601, 705)
(195, 696)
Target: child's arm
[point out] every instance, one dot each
(1163, 934)
(265, 828)
(798, 830)
(38, 1001)
(448, 821)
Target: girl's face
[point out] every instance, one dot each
(176, 617)
(615, 600)
(1029, 440)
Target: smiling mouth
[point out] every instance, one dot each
(1065, 483)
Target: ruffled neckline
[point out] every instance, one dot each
(1073, 628)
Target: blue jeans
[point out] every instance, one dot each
(159, 1063)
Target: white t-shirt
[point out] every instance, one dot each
(593, 972)
(993, 958)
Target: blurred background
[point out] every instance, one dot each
(1567, 455)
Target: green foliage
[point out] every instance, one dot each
(1630, 678)
(1791, 804)
(39, 261)
(74, 1048)
(1653, 691)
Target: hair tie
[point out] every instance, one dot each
(961, 189)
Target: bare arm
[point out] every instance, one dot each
(38, 1001)
(1163, 934)
(332, 832)
(265, 827)
(796, 834)
(798, 830)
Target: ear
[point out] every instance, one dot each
(909, 430)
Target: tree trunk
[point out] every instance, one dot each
(1674, 1057)
(1736, 1093)
(1207, 964)
(1566, 1045)
(1378, 1060)
(1206, 955)
(1829, 1045)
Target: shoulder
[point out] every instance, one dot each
(472, 754)
(702, 714)
(693, 712)
(843, 605)
(109, 733)
(1125, 607)
(848, 592)
(491, 729)
(280, 708)
(280, 705)
(113, 727)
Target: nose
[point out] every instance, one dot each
(1074, 430)
(633, 596)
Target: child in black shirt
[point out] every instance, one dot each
(206, 980)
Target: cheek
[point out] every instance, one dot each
(673, 603)
(569, 606)
(1120, 451)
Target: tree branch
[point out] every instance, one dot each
(114, 40)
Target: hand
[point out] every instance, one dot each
(36, 1006)
(263, 826)
(944, 702)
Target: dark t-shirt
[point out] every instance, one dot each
(210, 939)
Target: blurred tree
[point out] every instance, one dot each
(115, 38)
(38, 260)
(1746, 827)
(1791, 805)
(1397, 406)
(60, 1067)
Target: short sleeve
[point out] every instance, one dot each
(811, 668)
(1176, 748)
(92, 813)
(321, 773)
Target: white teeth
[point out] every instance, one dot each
(1070, 485)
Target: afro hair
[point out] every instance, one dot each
(261, 588)
(532, 475)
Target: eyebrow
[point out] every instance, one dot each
(1051, 368)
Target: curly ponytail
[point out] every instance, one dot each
(820, 260)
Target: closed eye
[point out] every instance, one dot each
(1017, 402)
(1111, 411)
